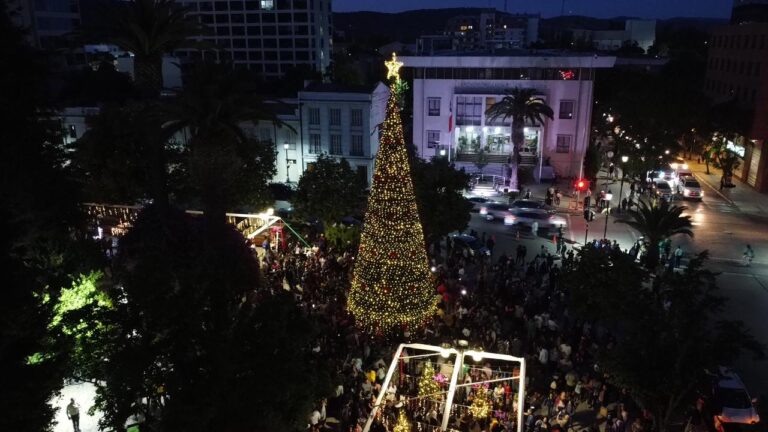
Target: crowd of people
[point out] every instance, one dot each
(512, 305)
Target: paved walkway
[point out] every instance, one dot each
(743, 196)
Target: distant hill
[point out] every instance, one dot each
(407, 26)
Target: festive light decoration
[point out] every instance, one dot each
(480, 407)
(392, 286)
(428, 387)
(402, 423)
(567, 74)
(393, 67)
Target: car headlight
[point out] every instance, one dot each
(483, 210)
(686, 192)
(509, 220)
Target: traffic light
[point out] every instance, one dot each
(581, 185)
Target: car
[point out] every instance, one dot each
(663, 190)
(478, 202)
(732, 403)
(474, 246)
(526, 218)
(690, 188)
(497, 212)
(528, 204)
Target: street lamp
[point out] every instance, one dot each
(624, 160)
(287, 164)
(608, 197)
(442, 152)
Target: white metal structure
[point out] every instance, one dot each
(459, 356)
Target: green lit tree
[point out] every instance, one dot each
(428, 387)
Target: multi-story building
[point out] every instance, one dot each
(636, 31)
(737, 70)
(338, 121)
(452, 93)
(45, 20)
(268, 36)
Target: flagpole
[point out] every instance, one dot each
(450, 128)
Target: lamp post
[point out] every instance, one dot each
(608, 197)
(287, 164)
(624, 160)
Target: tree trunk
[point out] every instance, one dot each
(148, 75)
(518, 139)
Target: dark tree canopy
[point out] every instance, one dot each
(329, 190)
(439, 188)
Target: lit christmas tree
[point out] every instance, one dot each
(428, 387)
(480, 407)
(392, 286)
(402, 423)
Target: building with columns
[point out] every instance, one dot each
(452, 93)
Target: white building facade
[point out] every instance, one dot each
(337, 121)
(460, 89)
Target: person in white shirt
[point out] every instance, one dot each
(73, 413)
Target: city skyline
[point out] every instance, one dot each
(548, 8)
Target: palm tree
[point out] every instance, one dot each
(657, 223)
(212, 107)
(520, 104)
(148, 29)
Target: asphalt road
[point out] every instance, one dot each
(721, 227)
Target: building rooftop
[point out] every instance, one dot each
(317, 87)
(511, 58)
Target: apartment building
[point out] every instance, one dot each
(45, 20)
(268, 36)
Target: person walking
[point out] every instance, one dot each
(678, 256)
(748, 256)
(535, 228)
(73, 413)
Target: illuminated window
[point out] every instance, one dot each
(267, 4)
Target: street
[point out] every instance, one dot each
(723, 225)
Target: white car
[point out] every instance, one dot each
(690, 188)
(663, 190)
(732, 402)
(526, 217)
(497, 212)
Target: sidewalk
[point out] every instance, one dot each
(743, 196)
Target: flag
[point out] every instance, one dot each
(450, 116)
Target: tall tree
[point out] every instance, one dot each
(521, 105)
(227, 165)
(392, 286)
(657, 222)
(148, 29)
(442, 207)
(329, 190)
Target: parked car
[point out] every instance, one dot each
(690, 188)
(528, 204)
(663, 190)
(546, 221)
(731, 401)
(497, 212)
(474, 246)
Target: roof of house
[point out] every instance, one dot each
(318, 87)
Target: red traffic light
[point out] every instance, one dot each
(581, 185)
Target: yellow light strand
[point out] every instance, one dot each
(393, 67)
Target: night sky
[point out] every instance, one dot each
(596, 8)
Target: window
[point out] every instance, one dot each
(267, 4)
(434, 106)
(563, 144)
(469, 110)
(314, 116)
(356, 118)
(433, 138)
(334, 117)
(314, 143)
(357, 146)
(335, 144)
(566, 109)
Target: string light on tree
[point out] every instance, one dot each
(392, 287)
(480, 407)
(428, 387)
(402, 423)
